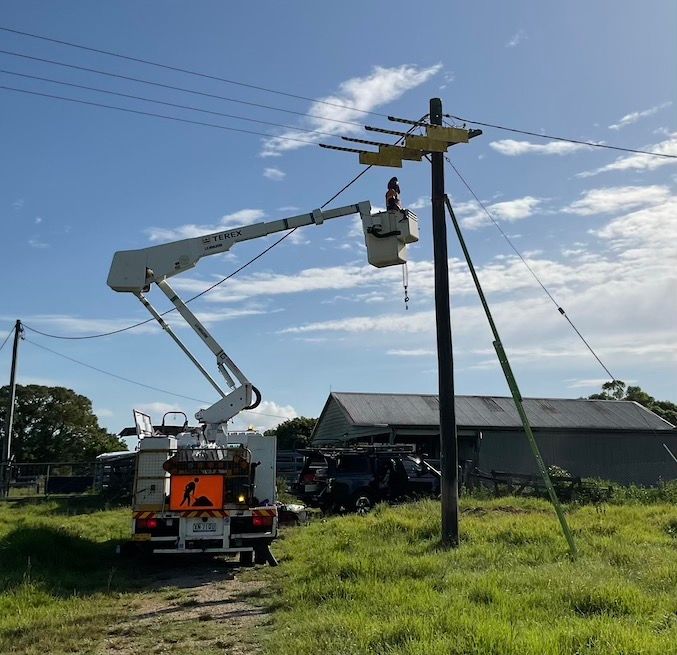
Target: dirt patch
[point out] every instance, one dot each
(198, 610)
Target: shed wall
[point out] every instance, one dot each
(626, 458)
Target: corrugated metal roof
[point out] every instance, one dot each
(499, 412)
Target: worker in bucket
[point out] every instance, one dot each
(393, 195)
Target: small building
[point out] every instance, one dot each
(615, 440)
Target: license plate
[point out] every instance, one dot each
(310, 487)
(204, 526)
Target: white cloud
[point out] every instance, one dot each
(18, 204)
(414, 352)
(381, 86)
(586, 383)
(612, 199)
(102, 412)
(472, 216)
(619, 290)
(419, 203)
(513, 148)
(266, 416)
(38, 220)
(157, 409)
(448, 78)
(288, 208)
(36, 243)
(516, 39)
(634, 116)
(638, 162)
(68, 325)
(515, 210)
(190, 230)
(274, 174)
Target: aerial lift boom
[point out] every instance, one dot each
(133, 271)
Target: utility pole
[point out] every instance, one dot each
(445, 358)
(432, 146)
(9, 425)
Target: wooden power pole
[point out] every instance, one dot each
(433, 146)
(6, 454)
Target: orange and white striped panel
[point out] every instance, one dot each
(268, 511)
(144, 515)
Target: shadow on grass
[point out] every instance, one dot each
(64, 564)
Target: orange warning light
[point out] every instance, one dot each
(195, 492)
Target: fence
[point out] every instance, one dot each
(112, 477)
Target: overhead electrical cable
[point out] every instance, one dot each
(130, 381)
(541, 135)
(162, 102)
(216, 284)
(529, 268)
(154, 115)
(191, 72)
(176, 88)
(9, 334)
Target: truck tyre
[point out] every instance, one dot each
(260, 554)
(246, 558)
(362, 503)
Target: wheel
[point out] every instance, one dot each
(261, 555)
(363, 503)
(246, 558)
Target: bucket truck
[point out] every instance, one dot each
(205, 489)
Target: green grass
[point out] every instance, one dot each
(381, 583)
(60, 581)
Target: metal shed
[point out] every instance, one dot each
(611, 439)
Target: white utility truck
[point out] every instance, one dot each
(205, 489)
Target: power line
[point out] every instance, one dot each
(114, 375)
(531, 270)
(154, 115)
(216, 284)
(161, 102)
(191, 72)
(169, 311)
(592, 144)
(130, 381)
(175, 88)
(9, 334)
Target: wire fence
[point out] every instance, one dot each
(111, 477)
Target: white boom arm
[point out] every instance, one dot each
(133, 271)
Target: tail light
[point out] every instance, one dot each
(262, 521)
(146, 524)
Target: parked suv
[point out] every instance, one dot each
(356, 478)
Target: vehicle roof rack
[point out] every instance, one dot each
(362, 449)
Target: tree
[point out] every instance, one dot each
(53, 424)
(293, 433)
(617, 390)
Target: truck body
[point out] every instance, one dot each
(194, 496)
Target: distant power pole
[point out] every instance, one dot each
(6, 454)
(445, 358)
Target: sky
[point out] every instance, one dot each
(78, 182)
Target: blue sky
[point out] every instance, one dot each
(79, 182)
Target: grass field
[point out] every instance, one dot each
(352, 585)
(380, 583)
(64, 590)
(60, 582)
